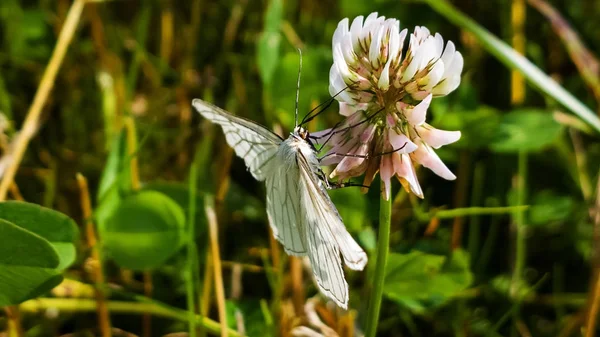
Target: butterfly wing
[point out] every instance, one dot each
(258, 147)
(283, 208)
(326, 235)
(250, 141)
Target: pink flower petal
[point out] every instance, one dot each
(437, 138)
(319, 134)
(386, 171)
(418, 113)
(425, 156)
(400, 141)
(404, 169)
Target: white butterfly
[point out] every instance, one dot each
(301, 214)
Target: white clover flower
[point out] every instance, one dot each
(385, 98)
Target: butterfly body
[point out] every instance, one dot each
(301, 215)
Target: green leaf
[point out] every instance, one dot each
(144, 231)
(477, 127)
(115, 178)
(351, 205)
(419, 281)
(528, 130)
(28, 264)
(253, 318)
(60, 230)
(179, 193)
(313, 86)
(548, 207)
(269, 42)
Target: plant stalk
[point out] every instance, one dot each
(383, 250)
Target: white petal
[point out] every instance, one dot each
(340, 62)
(348, 50)
(427, 52)
(404, 169)
(394, 44)
(412, 68)
(425, 156)
(439, 45)
(451, 78)
(401, 141)
(433, 77)
(384, 79)
(417, 115)
(356, 32)
(376, 46)
(437, 138)
(340, 32)
(386, 172)
(338, 86)
(448, 54)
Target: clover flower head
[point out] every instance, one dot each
(385, 96)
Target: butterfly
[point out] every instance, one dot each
(301, 214)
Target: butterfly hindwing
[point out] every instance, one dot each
(283, 208)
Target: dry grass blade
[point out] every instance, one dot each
(586, 62)
(95, 259)
(211, 216)
(32, 120)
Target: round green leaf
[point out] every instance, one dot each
(59, 229)
(28, 264)
(525, 130)
(419, 281)
(144, 231)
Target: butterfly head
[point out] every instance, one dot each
(300, 132)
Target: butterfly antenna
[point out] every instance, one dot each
(298, 89)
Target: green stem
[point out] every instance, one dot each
(191, 250)
(149, 307)
(521, 248)
(513, 60)
(475, 221)
(519, 219)
(383, 249)
(469, 211)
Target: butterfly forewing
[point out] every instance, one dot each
(250, 141)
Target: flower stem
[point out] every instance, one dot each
(383, 249)
(76, 305)
(191, 263)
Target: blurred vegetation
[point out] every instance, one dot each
(119, 114)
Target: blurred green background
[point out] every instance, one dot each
(120, 114)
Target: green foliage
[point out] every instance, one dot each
(421, 281)
(477, 127)
(313, 85)
(37, 244)
(352, 207)
(548, 207)
(58, 229)
(114, 180)
(526, 130)
(267, 56)
(28, 265)
(144, 231)
(180, 193)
